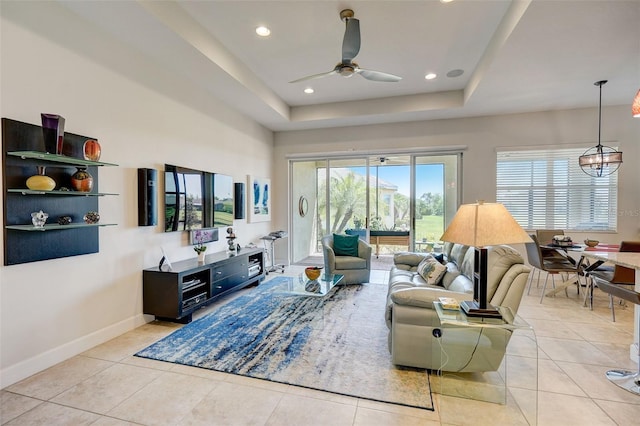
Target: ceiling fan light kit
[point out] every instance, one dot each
(600, 160)
(350, 49)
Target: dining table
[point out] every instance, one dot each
(629, 260)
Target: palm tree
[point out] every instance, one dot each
(347, 197)
(401, 208)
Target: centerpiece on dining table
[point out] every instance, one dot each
(562, 241)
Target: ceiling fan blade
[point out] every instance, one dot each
(378, 76)
(313, 77)
(351, 41)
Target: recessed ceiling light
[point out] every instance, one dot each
(263, 31)
(455, 73)
(446, 1)
(309, 90)
(430, 76)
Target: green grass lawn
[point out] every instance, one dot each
(429, 227)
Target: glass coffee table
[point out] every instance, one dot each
(307, 296)
(303, 286)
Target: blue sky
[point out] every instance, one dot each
(429, 177)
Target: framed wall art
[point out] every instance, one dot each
(259, 199)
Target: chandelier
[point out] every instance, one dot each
(600, 160)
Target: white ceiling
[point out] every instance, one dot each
(517, 56)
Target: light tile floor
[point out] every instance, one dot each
(107, 385)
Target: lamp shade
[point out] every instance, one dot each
(635, 107)
(484, 224)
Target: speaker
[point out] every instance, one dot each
(238, 200)
(147, 197)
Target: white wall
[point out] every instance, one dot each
(482, 136)
(54, 309)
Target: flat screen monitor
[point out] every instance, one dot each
(183, 198)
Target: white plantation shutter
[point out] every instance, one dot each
(546, 189)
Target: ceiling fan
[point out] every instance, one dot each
(350, 49)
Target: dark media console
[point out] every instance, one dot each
(174, 295)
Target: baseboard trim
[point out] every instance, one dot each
(40, 362)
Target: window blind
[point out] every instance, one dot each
(546, 189)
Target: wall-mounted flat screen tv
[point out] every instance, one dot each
(184, 199)
(222, 200)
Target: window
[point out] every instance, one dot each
(546, 189)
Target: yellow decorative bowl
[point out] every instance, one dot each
(591, 243)
(312, 272)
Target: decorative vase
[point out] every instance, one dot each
(201, 257)
(81, 180)
(91, 150)
(53, 133)
(41, 182)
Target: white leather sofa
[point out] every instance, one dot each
(412, 320)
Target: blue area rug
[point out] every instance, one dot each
(336, 344)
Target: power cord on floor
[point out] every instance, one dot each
(437, 333)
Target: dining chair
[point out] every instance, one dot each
(535, 262)
(553, 265)
(619, 276)
(545, 238)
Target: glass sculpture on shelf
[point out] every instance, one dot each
(39, 218)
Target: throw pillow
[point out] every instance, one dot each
(345, 245)
(431, 270)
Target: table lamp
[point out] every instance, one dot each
(481, 225)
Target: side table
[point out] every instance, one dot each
(514, 382)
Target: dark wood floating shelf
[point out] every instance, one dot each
(72, 193)
(23, 153)
(64, 159)
(56, 227)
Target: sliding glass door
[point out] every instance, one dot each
(436, 198)
(334, 192)
(396, 202)
(390, 203)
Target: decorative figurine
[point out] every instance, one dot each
(64, 220)
(231, 240)
(39, 219)
(91, 218)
